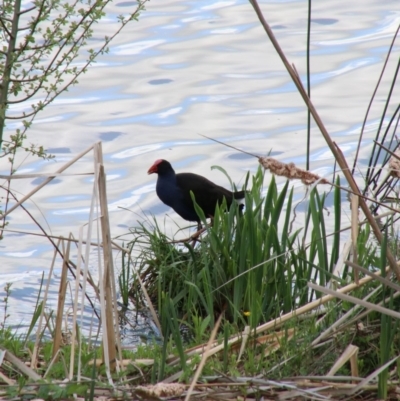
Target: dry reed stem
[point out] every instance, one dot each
(340, 263)
(354, 365)
(356, 319)
(39, 328)
(344, 318)
(246, 334)
(354, 300)
(347, 355)
(332, 145)
(50, 365)
(204, 358)
(7, 380)
(40, 175)
(85, 275)
(290, 171)
(375, 276)
(109, 333)
(354, 232)
(74, 317)
(62, 290)
(71, 239)
(26, 370)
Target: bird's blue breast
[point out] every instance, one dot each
(166, 190)
(170, 194)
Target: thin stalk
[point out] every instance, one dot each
(308, 85)
(373, 97)
(372, 163)
(337, 217)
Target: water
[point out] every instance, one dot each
(190, 68)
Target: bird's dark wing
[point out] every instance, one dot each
(207, 194)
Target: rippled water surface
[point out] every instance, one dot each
(190, 68)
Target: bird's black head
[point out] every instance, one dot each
(160, 167)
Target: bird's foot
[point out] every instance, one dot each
(194, 237)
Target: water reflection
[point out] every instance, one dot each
(224, 80)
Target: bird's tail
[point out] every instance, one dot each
(239, 195)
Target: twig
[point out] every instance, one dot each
(204, 358)
(371, 101)
(288, 170)
(230, 146)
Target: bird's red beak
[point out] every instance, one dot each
(154, 168)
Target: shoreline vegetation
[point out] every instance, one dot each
(278, 301)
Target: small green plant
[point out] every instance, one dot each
(125, 278)
(7, 290)
(200, 327)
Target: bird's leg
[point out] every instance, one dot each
(193, 237)
(197, 234)
(200, 230)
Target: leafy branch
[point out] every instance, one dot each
(39, 58)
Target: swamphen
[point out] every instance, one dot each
(174, 190)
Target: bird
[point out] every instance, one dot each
(174, 190)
